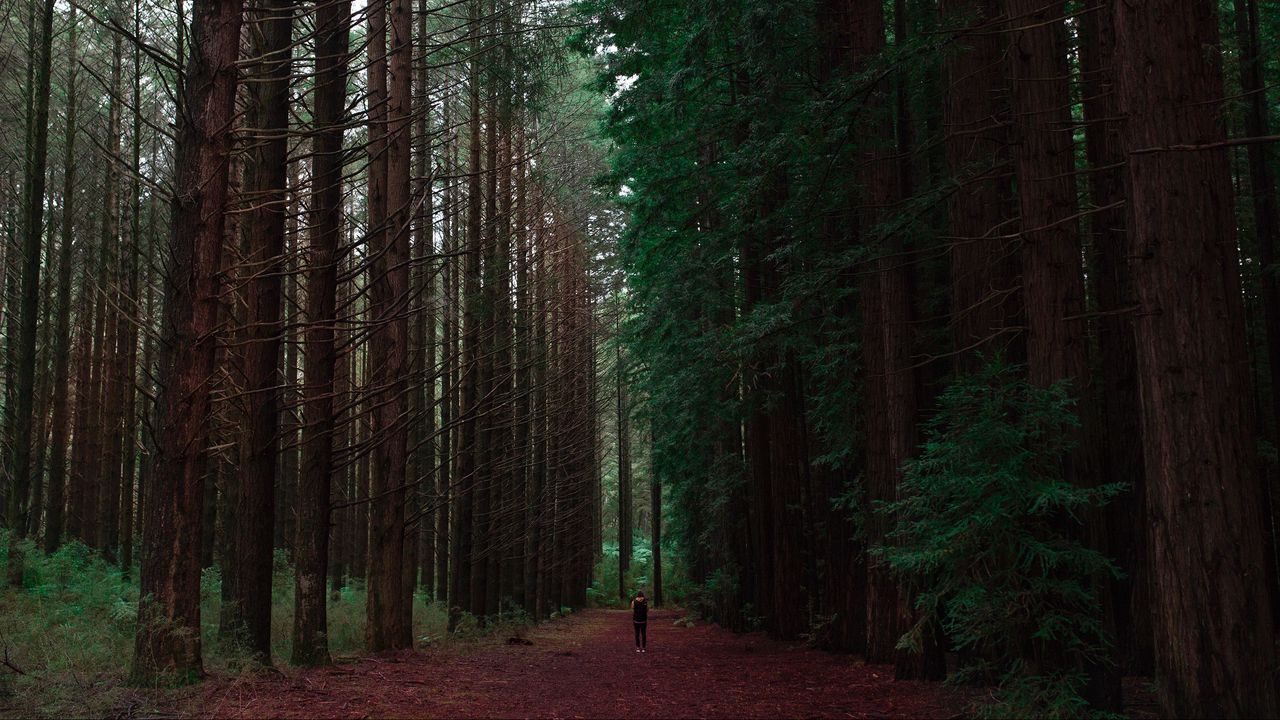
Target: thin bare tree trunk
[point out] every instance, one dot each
(21, 418)
(61, 422)
(311, 549)
(263, 266)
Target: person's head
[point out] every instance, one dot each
(640, 595)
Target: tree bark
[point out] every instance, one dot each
(320, 356)
(168, 637)
(1204, 498)
(110, 360)
(263, 263)
(424, 446)
(61, 422)
(1266, 218)
(1113, 290)
(986, 312)
(1053, 279)
(22, 417)
(460, 592)
(625, 512)
(655, 538)
(129, 438)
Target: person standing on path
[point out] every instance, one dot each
(640, 617)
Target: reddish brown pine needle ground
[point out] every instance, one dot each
(586, 667)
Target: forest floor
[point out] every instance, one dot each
(586, 666)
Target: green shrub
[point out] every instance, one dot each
(71, 631)
(604, 588)
(988, 530)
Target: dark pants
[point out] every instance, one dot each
(642, 635)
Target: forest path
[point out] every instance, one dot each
(586, 666)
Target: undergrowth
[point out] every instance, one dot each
(604, 585)
(66, 637)
(988, 530)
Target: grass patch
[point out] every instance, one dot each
(68, 634)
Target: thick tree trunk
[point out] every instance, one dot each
(1113, 290)
(887, 342)
(388, 240)
(1053, 279)
(44, 393)
(168, 637)
(985, 293)
(80, 493)
(1053, 286)
(1204, 499)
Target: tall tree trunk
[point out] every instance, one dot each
(1053, 279)
(20, 417)
(1266, 218)
(489, 446)
(625, 512)
(507, 552)
(539, 488)
(110, 361)
(460, 593)
(1053, 287)
(1113, 290)
(425, 278)
(286, 531)
(886, 301)
(447, 360)
(525, 495)
(168, 636)
(655, 536)
(44, 392)
(1204, 498)
(385, 628)
(61, 422)
(129, 439)
(311, 549)
(263, 264)
(985, 293)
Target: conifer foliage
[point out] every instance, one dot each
(943, 333)
(840, 211)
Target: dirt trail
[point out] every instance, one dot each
(586, 667)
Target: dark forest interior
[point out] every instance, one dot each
(935, 340)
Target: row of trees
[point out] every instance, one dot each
(343, 304)
(841, 208)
